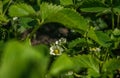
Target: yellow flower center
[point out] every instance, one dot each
(56, 51)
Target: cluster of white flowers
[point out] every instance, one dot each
(56, 48)
(61, 41)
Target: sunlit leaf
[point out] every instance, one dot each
(69, 18)
(66, 2)
(48, 9)
(19, 10)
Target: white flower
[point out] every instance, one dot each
(98, 49)
(72, 30)
(15, 18)
(57, 42)
(61, 41)
(56, 50)
(95, 49)
(70, 73)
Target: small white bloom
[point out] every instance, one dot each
(70, 73)
(56, 50)
(72, 30)
(62, 40)
(57, 42)
(15, 18)
(95, 49)
(98, 49)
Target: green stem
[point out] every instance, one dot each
(74, 2)
(7, 7)
(35, 29)
(112, 20)
(86, 38)
(112, 14)
(105, 58)
(106, 55)
(118, 20)
(14, 29)
(38, 2)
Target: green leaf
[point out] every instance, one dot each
(116, 32)
(66, 2)
(43, 64)
(21, 59)
(3, 19)
(48, 9)
(78, 41)
(92, 73)
(96, 6)
(111, 65)
(92, 3)
(2, 44)
(20, 10)
(100, 37)
(101, 24)
(94, 9)
(23, 22)
(6, 1)
(62, 64)
(43, 48)
(87, 61)
(1, 7)
(116, 2)
(69, 18)
(117, 9)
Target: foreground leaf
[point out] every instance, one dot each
(62, 64)
(21, 60)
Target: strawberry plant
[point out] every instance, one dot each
(89, 48)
